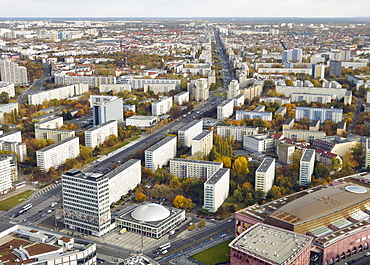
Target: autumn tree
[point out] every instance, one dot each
(140, 197)
(183, 203)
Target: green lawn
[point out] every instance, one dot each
(221, 94)
(214, 255)
(15, 200)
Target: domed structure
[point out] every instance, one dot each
(150, 212)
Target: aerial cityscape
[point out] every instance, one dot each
(143, 133)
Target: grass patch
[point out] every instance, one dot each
(119, 145)
(214, 255)
(15, 200)
(221, 94)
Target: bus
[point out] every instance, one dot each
(165, 246)
(27, 207)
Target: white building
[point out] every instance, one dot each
(181, 98)
(225, 109)
(321, 114)
(306, 135)
(233, 89)
(53, 123)
(8, 108)
(307, 164)
(53, 134)
(189, 131)
(12, 72)
(7, 87)
(56, 154)
(98, 134)
(160, 153)
(57, 93)
(322, 98)
(239, 100)
(241, 115)
(265, 175)
(182, 168)
(159, 88)
(258, 143)
(61, 78)
(288, 90)
(13, 136)
(202, 144)
(5, 175)
(161, 106)
(19, 148)
(141, 121)
(144, 83)
(115, 88)
(216, 189)
(367, 153)
(106, 108)
(199, 89)
(235, 131)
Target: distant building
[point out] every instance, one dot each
(318, 71)
(238, 100)
(235, 131)
(284, 152)
(52, 123)
(142, 121)
(241, 115)
(308, 136)
(161, 106)
(189, 131)
(321, 114)
(321, 98)
(265, 175)
(115, 88)
(335, 68)
(216, 190)
(199, 89)
(225, 109)
(288, 124)
(53, 134)
(202, 144)
(106, 108)
(314, 126)
(181, 98)
(12, 72)
(279, 100)
(260, 143)
(57, 93)
(194, 168)
(92, 81)
(160, 153)
(233, 89)
(98, 134)
(307, 164)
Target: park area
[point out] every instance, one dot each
(217, 254)
(15, 200)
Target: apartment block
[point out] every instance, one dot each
(106, 108)
(189, 131)
(115, 88)
(288, 90)
(194, 168)
(281, 111)
(225, 109)
(57, 93)
(160, 153)
(241, 115)
(92, 81)
(53, 123)
(144, 83)
(199, 89)
(19, 148)
(13, 136)
(238, 100)
(278, 100)
(56, 154)
(367, 153)
(284, 152)
(98, 134)
(307, 164)
(233, 89)
(7, 87)
(5, 175)
(265, 175)
(53, 134)
(237, 132)
(258, 143)
(202, 144)
(321, 114)
(181, 98)
(161, 106)
(12, 72)
(308, 136)
(321, 98)
(216, 190)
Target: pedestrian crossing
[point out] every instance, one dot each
(45, 190)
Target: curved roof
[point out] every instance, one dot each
(150, 212)
(321, 203)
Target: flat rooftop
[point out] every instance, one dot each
(160, 143)
(265, 165)
(143, 118)
(57, 143)
(271, 244)
(196, 161)
(307, 156)
(224, 103)
(189, 125)
(202, 135)
(217, 176)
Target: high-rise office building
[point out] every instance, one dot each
(106, 108)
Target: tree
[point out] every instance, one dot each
(183, 203)
(202, 223)
(225, 160)
(336, 164)
(140, 197)
(240, 167)
(296, 156)
(4, 98)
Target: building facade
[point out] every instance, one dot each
(5, 175)
(306, 167)
(189, 131)
(193, 168)
(181, 98)
(106, 108)
(216, 190)
(225, 109)
(161, 106)
(160, 153)
(237, 132)
(57, 93)
(53, 134)
(202, 144)
(241, 115)
(321, 114)
(199, 89)
(265, 175)
(98, 134)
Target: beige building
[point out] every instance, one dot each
(202, 144)
(53, 134)
(182, 168)
(284, 152)
(233, 89)
(199, 89)
(306, 135)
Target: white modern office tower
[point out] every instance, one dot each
(225, 109)
(98, 134)
(53, 134)
(202, 144)
(189, 131)
(307, 164)
(5, 175)
(7, 87)
(12, 72)
(297, 55)
(161, 106)
(160, 153)
(216, 190)
(233, 89)
(56, 154)
(265, 175)
(182, 168)
(235, 131)
(53, 123)
(123, 179)
(86, 206)
(106, 108)
(199, 89)
(320, 114)
(260, 143)
(181, 98)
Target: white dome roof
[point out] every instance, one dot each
(150, 212)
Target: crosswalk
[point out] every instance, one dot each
(45, 190)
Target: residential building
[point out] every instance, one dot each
(321, 98)
(161, 106)
(189, 131)
(13, 165)
(160, 153)
(260, 143)
(239, 100)
(202, 144)
(288, 124)
(12, 72)
(307, 164)
(216, 190)
(53, 123)
(318, 71)
(142, 121)
(5, 175)
(237, 132)
(57, 93)
(13, 136)
(342, 128)
(8, 88)
(308, 136)
(115, 88)
(367, 153)
(225, 109)
(98, 134)
(281, 111)
(255, 90)
(199, 89)
(321, 114)
(7, 108)
(106, 108)
(92, 81)
(145, 83)
(335, 68)
(284, 152)
(194, 168)
(53, 134)
(56, 154)
(19, 148)
(279, 100)
(233, 89)
(181, 98)
(241, 115)
(288, 90)
(265, 175)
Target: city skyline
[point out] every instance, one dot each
(162, 8)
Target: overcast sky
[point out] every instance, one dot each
(186, 8)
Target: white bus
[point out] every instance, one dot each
(27, 207)
(165, 246)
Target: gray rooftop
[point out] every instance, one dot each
(224, 103)
(137, 117)
(189, 125)
(101, 125)
(202, 135)
(308, 154)
(217, 176)
(49, 120)
(160, 143)
(315, 123)
(281, 109)
(122, 167)
(288, 121)
(265, 165)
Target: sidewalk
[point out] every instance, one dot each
(18, 191)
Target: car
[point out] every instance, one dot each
(164, 252)
(367, 254)
(49, 211)
(229, 220)
(24, 220)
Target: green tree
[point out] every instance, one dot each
(4, 98)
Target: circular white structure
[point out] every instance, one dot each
(356, 189)
(150, 212)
